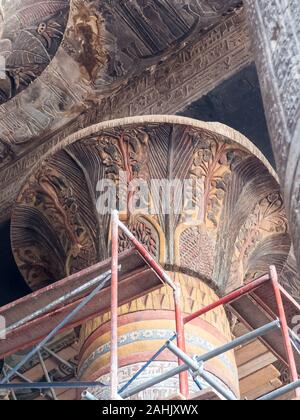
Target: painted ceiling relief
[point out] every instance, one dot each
(140, 32)
(104, 69)
(30, 34)
(236, 229)
(105, 43)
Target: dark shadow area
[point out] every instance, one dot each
(12, 284)
(237, 103)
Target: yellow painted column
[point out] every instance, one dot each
(145, 325)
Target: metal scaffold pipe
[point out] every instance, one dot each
(54, 385)
(198, 369)
(260, 332)
(46, 374)
(114, 306)
(281, 391)
(103, 280)
(217, 352)
(285, 329)
(55, 303)
(183, 376)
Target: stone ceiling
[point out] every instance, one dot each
(72, 67)
(30, 34)
(81, 56)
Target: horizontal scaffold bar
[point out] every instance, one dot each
(217, 352)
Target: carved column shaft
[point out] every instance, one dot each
(275, 28)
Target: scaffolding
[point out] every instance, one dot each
(186, 365)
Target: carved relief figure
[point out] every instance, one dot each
(30, 34)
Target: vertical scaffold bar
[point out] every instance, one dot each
(114, 306)
(285, 328)
(183, 376)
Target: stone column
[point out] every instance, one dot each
(145, 325)
(222, 224)
(275, 29)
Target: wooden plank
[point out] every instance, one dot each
(206, 395)
(27, 305)
(240, 329)
(258, 379)
(135, 280)
(265, 294)
(263, 390)
(256, 364)
(252, 314)
(249, 352)
(69, 395)
(259, 308)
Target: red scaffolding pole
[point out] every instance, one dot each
(273, 278)
(181, 344)
(179, 320)
(183, 377)
(285, 328)
(114, 306)
(269, 282)
(229, 298)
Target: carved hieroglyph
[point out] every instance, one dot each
(276, 38)
(64, 99)
(237, 228)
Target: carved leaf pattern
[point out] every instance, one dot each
(267, 219)
(245, 218)
(145, 234)
(213, 162)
